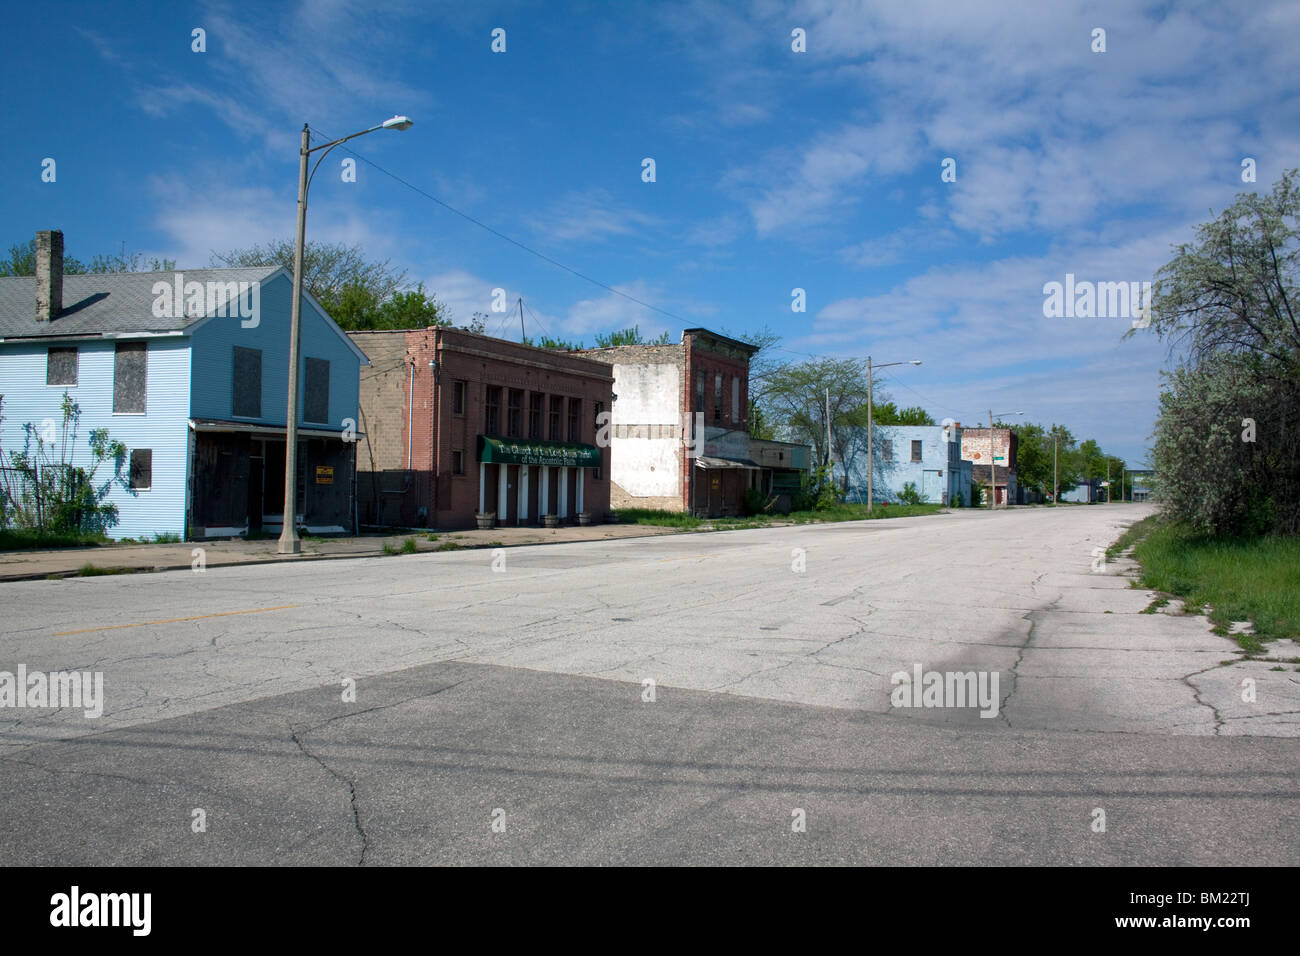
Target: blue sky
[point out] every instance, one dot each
(775, 170)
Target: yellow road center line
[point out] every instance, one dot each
(175, 620)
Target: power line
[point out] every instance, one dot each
(502, 235)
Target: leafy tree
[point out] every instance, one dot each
(887, 414)
(631, 336)
(356, 292)
(1227, 450)
(21, 261)
(558, 345)
(47, 491)
(759, 427)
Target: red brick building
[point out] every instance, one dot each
(680, 424)
(457, 423)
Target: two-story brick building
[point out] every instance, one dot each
(992, 452)
(458, 424)
(680, 424)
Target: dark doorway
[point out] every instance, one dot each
(255, 507)
(274, 477)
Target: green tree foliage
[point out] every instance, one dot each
(45, 490)
(357, 293)
(1229, 299)
(630, 336)
(1209, 474)
(21, 261)
(886, 413)
(797, 400)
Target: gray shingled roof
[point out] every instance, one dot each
(105, 304)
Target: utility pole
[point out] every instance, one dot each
(828, 426)
(993, 467)
(1109, 497)
(870, 462)
(1056, 491)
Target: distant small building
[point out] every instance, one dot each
(1142, 487)
(983, 447)
(928, 457)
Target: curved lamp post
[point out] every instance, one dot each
(870, 397)
(289, 543)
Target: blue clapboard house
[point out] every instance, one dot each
(189, 370)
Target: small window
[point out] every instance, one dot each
(458, 463)
(246, 389)
(735, 399)
(141, 469)
(717, 396)
(458, 398)
(887, 450)
(699, 391)
(492, 411)
(916, 450)
(61, 367)
(316, 400)
(130, 378)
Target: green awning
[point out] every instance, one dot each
(511, 451)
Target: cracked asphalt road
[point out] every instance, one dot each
(520, 691)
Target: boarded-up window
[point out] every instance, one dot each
(735, 399)
(458, 462)
(61, 367)
(246, 389)
(141, 469)
(717, 396)
(916, 451)
(316, 400)
(130, 378)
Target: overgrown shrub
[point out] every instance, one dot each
(43, 490)
(909, 495)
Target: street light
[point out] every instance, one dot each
(289, 543)
(993, 463)
(871, 389)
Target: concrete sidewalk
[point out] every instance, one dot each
(122, 558)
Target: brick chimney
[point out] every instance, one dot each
(49, 275)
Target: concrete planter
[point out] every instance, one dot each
(550, 521)
(486, 520)
(584, 518)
